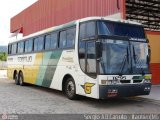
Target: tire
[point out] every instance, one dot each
(16, 79)
(21, 79)
(70, 89)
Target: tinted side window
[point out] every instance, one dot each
(67, 38)
(19, 47)
(40, 43)
(91, 58)
(83, 31)
(30, 45)
(87, 30)
(82, 47)
(9, 49)
(71, 33)
(22, 47)
(62, 42)
(26, 46)
(14, 48)
(54, 38)
(36, 44)
(47, 42)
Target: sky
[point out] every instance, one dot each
(8, 9)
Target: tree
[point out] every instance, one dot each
(3, 56)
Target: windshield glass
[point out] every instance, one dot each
(140, 54)
(115, 57)
(118, 57)
(134, 32)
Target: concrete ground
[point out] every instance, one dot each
(32, 99)
(3, 73)
(155, 93)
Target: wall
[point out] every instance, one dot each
(3, 65)
(154, 41)
(47, 13)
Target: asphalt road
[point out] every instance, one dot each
(37, 100)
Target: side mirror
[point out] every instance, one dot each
(99, 50)
(149, 55)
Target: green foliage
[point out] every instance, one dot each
(3, 56)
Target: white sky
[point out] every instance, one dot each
(8, 9)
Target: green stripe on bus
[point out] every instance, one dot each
(51, 67)
(43, 68)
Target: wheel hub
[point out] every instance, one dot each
(70, 88)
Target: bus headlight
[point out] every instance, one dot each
(103, 82)
(111, 82)
(147, 81)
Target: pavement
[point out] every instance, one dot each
(154, 94)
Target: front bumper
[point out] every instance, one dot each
(128, 90)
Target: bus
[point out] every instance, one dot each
(94, 57)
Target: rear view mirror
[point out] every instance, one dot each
(149, 55)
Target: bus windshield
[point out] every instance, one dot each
(115, 57)
(134, 32)
(118, 57)
(139, 60)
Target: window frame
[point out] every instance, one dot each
(68, 28)
(88, 38)
(57, 32)
(14, 50)
(93, 39)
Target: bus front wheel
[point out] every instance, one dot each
(70, 89)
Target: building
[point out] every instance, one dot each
(47, 13)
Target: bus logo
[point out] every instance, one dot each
(88, 87)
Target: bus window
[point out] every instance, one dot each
(82, 47)
(36, 44)
(9, 49)
(47, 42)
(67, 38)
(91, 29)
(26, 46)
(19, 47)
(40, 43)
(82, 30)
(54, 38)
(30, 45)
(22, 47)
(62, 43)
(14, 48)
(71, 33)
(91, 58)
(87, 30)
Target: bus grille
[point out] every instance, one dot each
(125, 81)
(137, 81)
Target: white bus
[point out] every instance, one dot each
(94, 57)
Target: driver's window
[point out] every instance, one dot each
(87, 52)
(87, 30)
(91, 58)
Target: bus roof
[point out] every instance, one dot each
(72, 23)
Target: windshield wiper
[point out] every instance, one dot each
(125, 59)
(137, 61)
